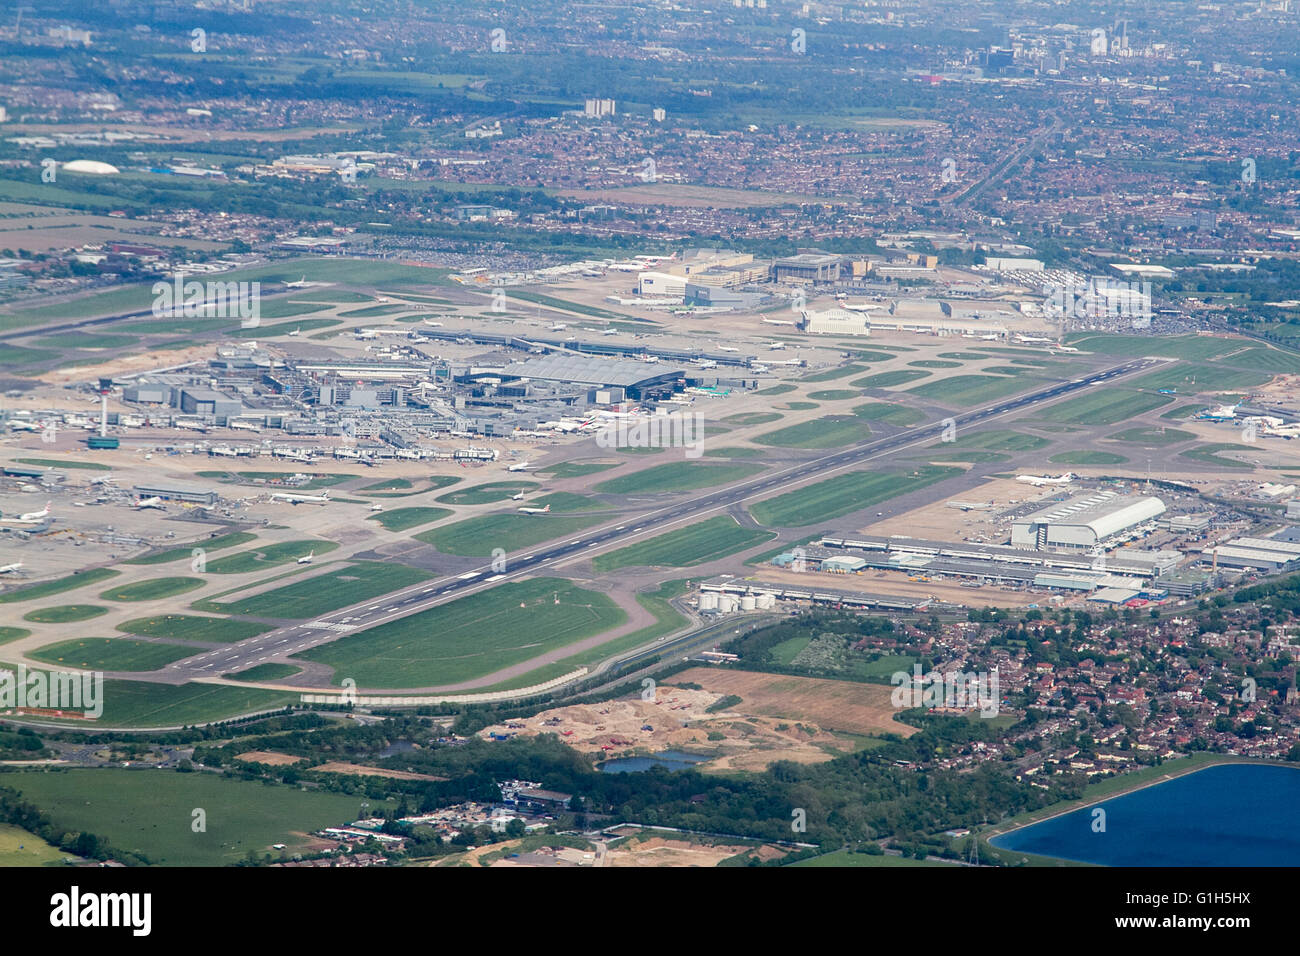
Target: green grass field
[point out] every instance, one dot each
(753, 418)
(1191, 378)
(149, 812)
(470, 637)
(1180, 346)
(676, 476)
(266, 672)
(834, 395)
(111, 654)
(998, 440)
(270, 556)
(562, 502)
(849, 859)
(777, 389)
(187, 627)
(734, 451)
(1209, 454)
(934, 363)
(576, 469)
(830, 374)
(478, 537)
(970, 389)
(1105, 407)
(844, 494)
(899, 376)
(1086, 457)
(8, 634)
(18, 847)
(323, 593)
(63, 463)
(152, 589)
(402, 519)
(65, 614)
(485, 494)
(695, 544)
(828, 432)
(890, 413)
(1152, 436)
(209, 544)
(47, 588)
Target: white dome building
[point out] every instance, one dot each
(91, 167)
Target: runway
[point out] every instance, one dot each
(278, 644)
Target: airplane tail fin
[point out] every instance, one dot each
(546, 510)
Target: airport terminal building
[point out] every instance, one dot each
(1085, 521)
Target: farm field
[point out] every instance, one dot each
(111, 654)
(848, 706)
(269, 556)
(695, 544)
(478, 537)
(818, 433)
(1104, 407)
(677, 476)
(323, 593)
(149, 812)
(185, 627)
(471, 636)
(843, 495)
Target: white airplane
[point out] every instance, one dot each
(774, 346)
(11, 568)
(727, 348)
(154, 502)
(24, 426)
(306, 558)
(1039, 480)
(300, 284)
(103, 480)
(558, 327)
(518, 497)
(609, 332)
(296, 331)
(535, 511)
(1032, 339)
(521, 466)
(376, 507)
(1066, 348)
(320, 499)
(31, 517)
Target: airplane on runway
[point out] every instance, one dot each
(296, 331)
(518, 497)
(376, 507)
(154, 502)
(306, 558)
(521, 466)
(320, 499)
(1039, 480)
(300, 284)
(31, 517)
(535, 511)
(11, 568)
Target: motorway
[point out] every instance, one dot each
(278, 644)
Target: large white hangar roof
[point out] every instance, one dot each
(1104, 512)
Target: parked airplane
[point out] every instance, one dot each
(31, 517)
(102, 480)
(320, 499)
(154, 502)
(24, 426)
(306, 558)
(535, 511)
(376, 507)
(1039, 480)
(609, 332)
(727, 348)
(11, 568)
(774, 346)
(521, 466)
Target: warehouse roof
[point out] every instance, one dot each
(588, 370)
